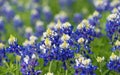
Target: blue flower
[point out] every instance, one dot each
(17, 22)
(101, 5)
(62, 16)
(84, 66)
(47, 14)
(39, 28)
(2, 24)
(2, 53)
(113, 28)
(77, 18)
(114, 63)
(35, 15)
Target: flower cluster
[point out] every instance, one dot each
(113, 28)
(114, 63)
(84, 66)
(57, 43)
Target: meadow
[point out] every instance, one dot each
(60, 37)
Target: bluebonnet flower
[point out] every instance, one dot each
(28, 32)
(84, 34)
(2, 2)
(29, 57)
(39, 28)
(28, 65)
(114, 4)
(35, 15)
(101, 5)
(20, 6)
(8, 12)
(37, 7)
(114, 63)
(2, 24)
(13, 46)
(84, 66)
(94, 19)
(64, 4)
(2, 52)
(77, 18)
(17, 22)
(47, 13)
(51, 25)
(57, 43)
(62, 16)
(113, 28)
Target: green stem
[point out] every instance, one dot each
(100, 68)
(50, 66)
(66, 72)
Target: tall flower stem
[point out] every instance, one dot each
(66, 72)
(50, 66)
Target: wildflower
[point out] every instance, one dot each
(114, 62)
(28, 32)
(77, 18)
(112, 28)
(13, 46)
(81, 40)
(101, 5)
(84, 66)
(2, 53)
(100, 59)
(34, 16)
(2, 24)
(39, 29)
(47, 13)
(17, 22)
(62, 16)
(64, 45)
(12, 39)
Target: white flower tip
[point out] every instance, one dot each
(2, 45)
(81, 40)
(28, 30)
(64, 45)
(66, 24)
(65, 37)
(39, 23)
(12, 39)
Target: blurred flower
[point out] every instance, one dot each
(39, 28)
(64, 4)
(28, 32)
(17, 22)
(77, 18)
(62, 16)
(2, 53)
(35, 15)
(100, 59)
(47, 13)
(101, 5)
(2, 24)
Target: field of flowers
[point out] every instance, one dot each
(59, 37)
